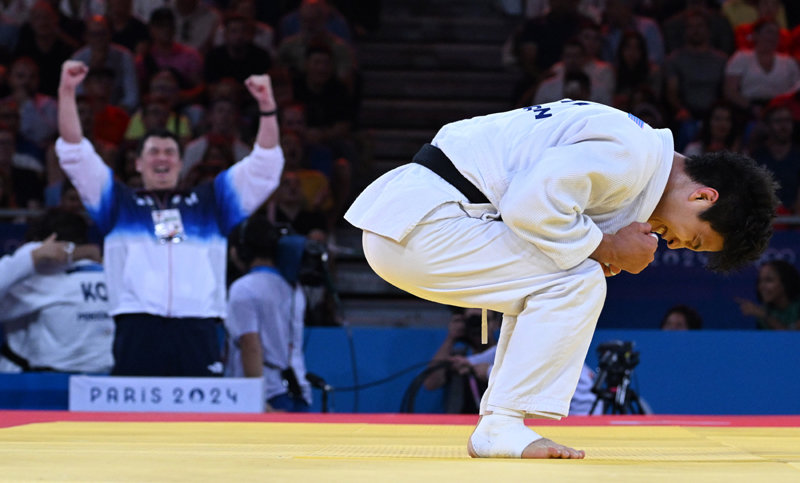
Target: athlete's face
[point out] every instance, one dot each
(159, 163)
(678, 222)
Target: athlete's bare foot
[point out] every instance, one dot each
(541, 448)
(546, 448)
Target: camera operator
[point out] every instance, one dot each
(470, 362)
(265, 319)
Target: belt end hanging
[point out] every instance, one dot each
(484, 327)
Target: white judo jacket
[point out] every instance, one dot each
(58, 320)
(559, 174)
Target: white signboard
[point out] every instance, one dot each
(166, 394)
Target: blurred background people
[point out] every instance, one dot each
(538, 42)
(238, 56)
(290, 206)
(739, 12)
(681, 317)
(778, 296)
(260, 33)
(778, 151)
(311, 153)
(330, 111)
(720, 130)
(328, 16)
(37, 111)
(620, 19)
(635, 72)
(126, 29)
(599, 74)
(196, 23)
(100, 52)
(109, 121)
(293, 49)
(313, 184)
(754, 76)
(222, 118)
(24, 180)
(158, 112)
(42, 40)
(721, 33)
(164, 52)
(694, 74)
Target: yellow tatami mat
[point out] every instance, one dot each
(219, 451)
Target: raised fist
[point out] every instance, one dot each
(260, 87)
(72, 73)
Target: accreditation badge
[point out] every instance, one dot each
(168, 225)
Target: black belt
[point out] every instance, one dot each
(434, 159)
(21, 362)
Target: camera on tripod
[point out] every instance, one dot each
(616, 361)
(616, 358)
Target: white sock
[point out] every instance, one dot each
(502, 434)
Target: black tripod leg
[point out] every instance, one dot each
(634, 405)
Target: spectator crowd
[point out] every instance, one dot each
(180, 66)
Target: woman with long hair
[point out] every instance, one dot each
(720, 131)
(634, 71)
(778, 295)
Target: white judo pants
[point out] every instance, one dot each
(460, 255)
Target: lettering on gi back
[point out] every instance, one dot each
(94, 291)
(543, 112)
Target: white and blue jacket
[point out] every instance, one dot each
(185, 279)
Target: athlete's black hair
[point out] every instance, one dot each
(745, 209)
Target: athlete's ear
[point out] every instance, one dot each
(705, 193)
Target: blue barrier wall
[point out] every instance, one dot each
(699, 372)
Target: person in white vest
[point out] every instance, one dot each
(524, 212)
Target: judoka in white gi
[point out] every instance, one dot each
(56, 318)
(551, 199)
(49, 256)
